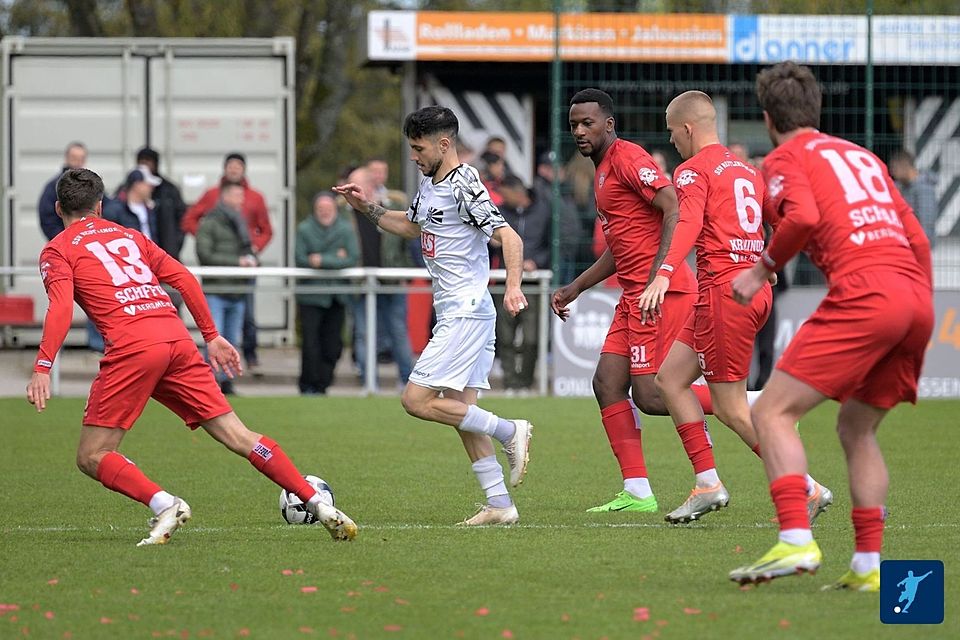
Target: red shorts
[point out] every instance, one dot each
(866, 340)
(646, 344)
(171, 372)
(722, 331)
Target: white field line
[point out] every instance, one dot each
(453, 527)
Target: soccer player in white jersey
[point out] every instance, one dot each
(455, 219)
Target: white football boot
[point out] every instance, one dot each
(518, 451)
(166, 522)
(488, 515)
(339, 524)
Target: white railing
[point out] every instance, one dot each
(368, 281)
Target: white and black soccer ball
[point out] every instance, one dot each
(294, 511)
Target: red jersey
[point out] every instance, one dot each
(720, 214)
(114, 274)
(625, 184)
(838, 201)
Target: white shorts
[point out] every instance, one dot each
(459, 355)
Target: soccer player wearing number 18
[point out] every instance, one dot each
(720, 213)
(114, 274)
(863, 346)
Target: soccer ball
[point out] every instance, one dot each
(294, 511)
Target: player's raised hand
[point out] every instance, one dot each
(561, 298)
(748, 282)
(353, 194)
(223, 357)
(514, 301)
(652, 297)
(38, 390)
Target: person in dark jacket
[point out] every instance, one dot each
(75, 157)
(133, 206)
(325, 240)
(168, 205)
(517, 337)
(223, 241)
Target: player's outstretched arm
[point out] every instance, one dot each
(393, 221)
(56, 324)
(513, 299)
(599, 271)
(171, 272)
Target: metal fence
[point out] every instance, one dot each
(363, 281)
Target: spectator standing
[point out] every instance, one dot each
(325, 240)
(918, 189)
(223, 241)
(168, 205)
(259, 232)
(517, 336)
(133, 206)
(571, 228)
(493, 169)
(74, 157)
(380, 249)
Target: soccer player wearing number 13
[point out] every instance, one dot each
(114, 273)
(863, 346)
(720, 213)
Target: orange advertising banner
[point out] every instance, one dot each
(529, 37)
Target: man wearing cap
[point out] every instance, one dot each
(168, 205)
(133, 206)
(258, 227)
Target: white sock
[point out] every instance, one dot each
(637, 487)
(811, 484)
(479, 420)
(797, 537)
(752, 397)
(865, 561)
(161, 500)
(708, 478)
(490, 476)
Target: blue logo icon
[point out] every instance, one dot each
(911, 592)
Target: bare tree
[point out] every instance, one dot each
(84, 18)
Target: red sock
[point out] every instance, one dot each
(868, 527)
(620, 423)
(756, 450)
(696, 442)
(789, 495)
(270, 460)
(702, 392)
(119, 474)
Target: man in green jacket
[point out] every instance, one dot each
(223, 241)
(325, 240)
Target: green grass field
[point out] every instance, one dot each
(68, 558)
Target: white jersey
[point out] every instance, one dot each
(457, 219)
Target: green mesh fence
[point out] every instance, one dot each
(903, 94)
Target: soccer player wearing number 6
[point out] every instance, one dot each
(114, 274)
(720, 214)
(863, 346)
(455, 219)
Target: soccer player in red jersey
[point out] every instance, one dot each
(637, 207)
(114, 274)
(863, 346)
(720, 214)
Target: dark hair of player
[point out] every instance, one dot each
(791, 96)
(79, 191)
(430, 121)
(602, 98)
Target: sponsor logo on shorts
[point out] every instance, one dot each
(422, 374)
